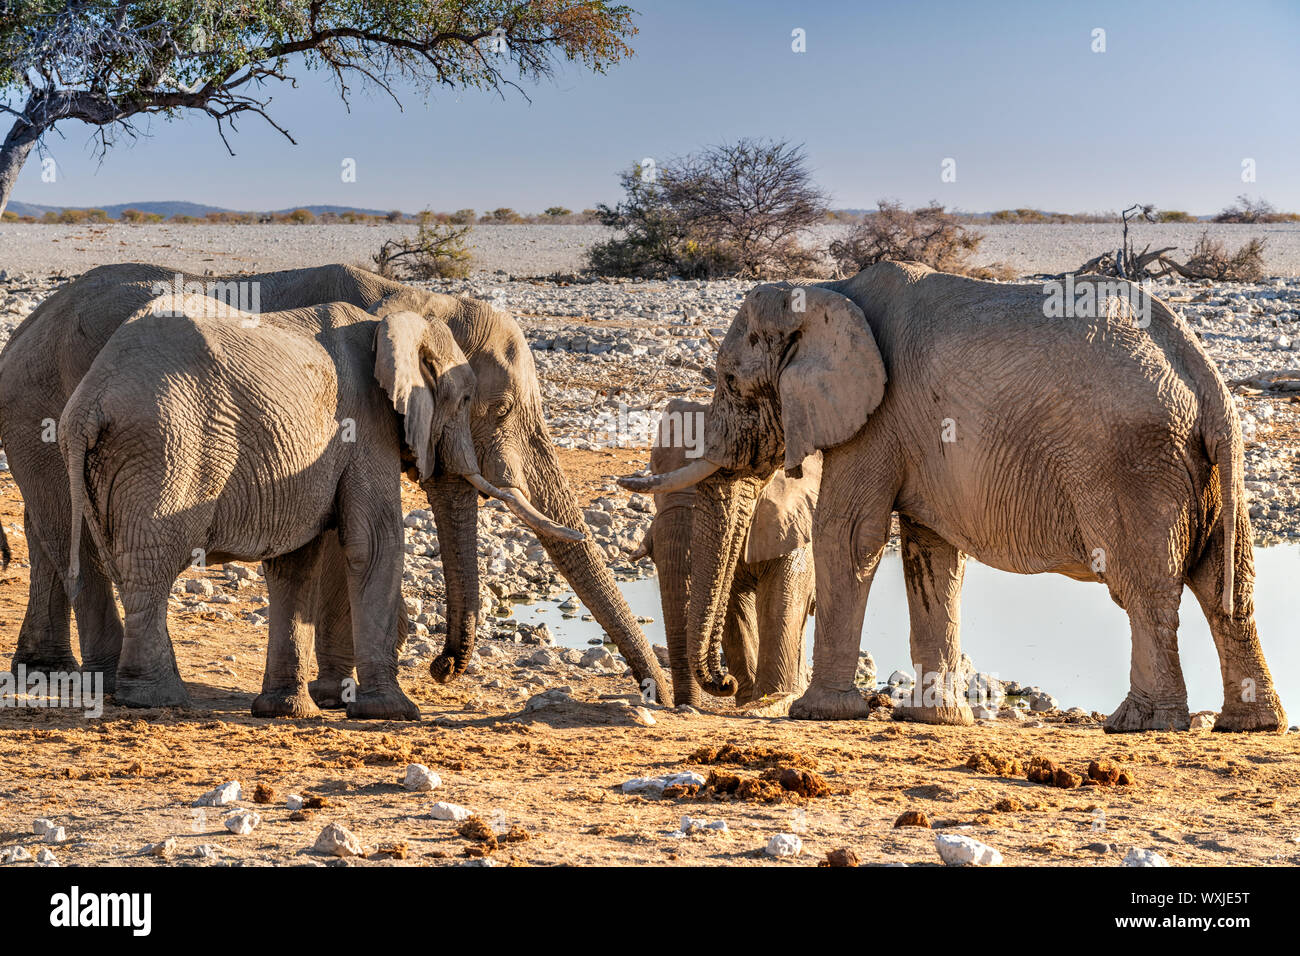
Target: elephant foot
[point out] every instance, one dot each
(1264, 715)
(954, 715)
(107, 671)
(819, 703)
(41, 662)
(1136, 714)
(292, 703)
(327, 692)
(167, 692)
(390, 704)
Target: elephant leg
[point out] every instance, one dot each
(740, 634)
(147, 675)
(370, 533)
(99, 626)
(1157, 697)
(291, 584)
(785, 592)
(933, 571)
(1250, 701)
(847, 555)
(45, 636)
(335, 676)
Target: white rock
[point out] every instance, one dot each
(200, 586)
(45, 857)
(420, 778)
(205, 851)
(41, 826)
(56, 835)
(15, 854)
(657, 784)
(337, 840)
(242, 822)
(448, 811)
(1138, 857)
(293, 801)
(900, 677)
(222, 796)
(965, 851)
(784, 844)
(164, 849)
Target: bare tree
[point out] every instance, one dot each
(754, 197)
(109, 62)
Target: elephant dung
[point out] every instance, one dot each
(806, 783)
(1105, 773)
(841, 857)
(913, 818)
(1049, 772)
(994, 764)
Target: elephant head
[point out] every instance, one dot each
(798, 371)
(431, 385)
(517, 457)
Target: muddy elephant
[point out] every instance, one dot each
(201, 432)
(1104, 446)
(51, 350)
(772, 592)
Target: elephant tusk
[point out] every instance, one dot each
(518, 502)
(669, 481)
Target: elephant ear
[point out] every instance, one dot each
(425, 374)
(831, 375)
(783, 514)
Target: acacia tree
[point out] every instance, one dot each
(754, 197)
(108, 63)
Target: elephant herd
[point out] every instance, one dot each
(152, 425)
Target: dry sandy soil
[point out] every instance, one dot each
(554, 775)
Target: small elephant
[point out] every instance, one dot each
(772, 591)
(205, 432)
(1104, 446)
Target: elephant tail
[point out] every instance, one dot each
(75, 438)
(1228, 481)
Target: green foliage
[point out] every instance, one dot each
(733, 209)
(1174, 215)
(463, 217)
(555, 212)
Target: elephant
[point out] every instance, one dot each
(772, 593)
(1104, 447)
(202, 432)
(51, 350)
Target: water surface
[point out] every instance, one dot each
(1065, 636)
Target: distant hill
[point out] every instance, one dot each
(171, 208)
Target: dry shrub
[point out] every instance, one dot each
(1211, 259)
(929, 235)
(436, 252)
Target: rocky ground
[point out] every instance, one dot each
(513, 742)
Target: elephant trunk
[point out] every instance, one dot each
(672, 557)
(724, 507)
(583, 566)
(455, 513)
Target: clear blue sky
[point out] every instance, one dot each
(885, 92)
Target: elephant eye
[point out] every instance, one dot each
(730, 380)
